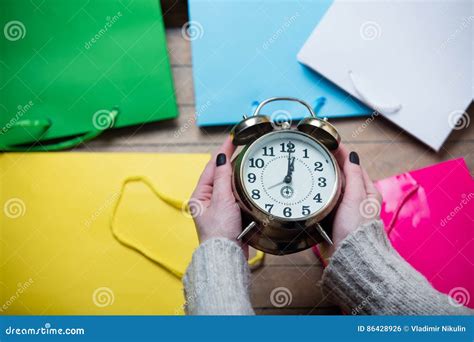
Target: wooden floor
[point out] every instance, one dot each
(384, 150)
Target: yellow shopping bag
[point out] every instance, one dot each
(58, 254)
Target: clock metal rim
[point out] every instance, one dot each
(321, 130)
(262, 215)
(250, 129)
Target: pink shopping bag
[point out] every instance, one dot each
(429, 218)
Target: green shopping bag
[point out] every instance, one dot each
(71, 69)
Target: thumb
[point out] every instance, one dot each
(355, 189)
(222, 190)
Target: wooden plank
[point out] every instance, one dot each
(179, 50)
(381, 159)
(175, 12)
(288, 287)
(304, 258)
(183, 84)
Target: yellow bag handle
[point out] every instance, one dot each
(175, 203)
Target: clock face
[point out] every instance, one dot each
(288, 175)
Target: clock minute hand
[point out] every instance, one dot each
(287, 178)
(277, 184)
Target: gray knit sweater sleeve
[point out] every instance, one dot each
(217, 280)
(367, 276)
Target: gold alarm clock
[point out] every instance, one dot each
(286, 180)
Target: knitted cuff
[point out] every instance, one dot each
(217, 279)
(367, 276)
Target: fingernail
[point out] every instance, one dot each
(354, 158)
(221, 159)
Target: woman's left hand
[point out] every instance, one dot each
(213, 205)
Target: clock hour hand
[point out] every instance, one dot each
(291, 168)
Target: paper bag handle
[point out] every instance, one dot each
(70, 143)
(365, 96)
(175, 203)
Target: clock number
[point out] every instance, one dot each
(318, 166)
(289, 147)
(251, 177)
(322, 182)
(256, 162)
(287, 212)
(305, 210)
(269, 207)
(317, 198)
(305, 153)
(268, 152)
(256, 194)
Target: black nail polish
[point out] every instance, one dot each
(221, 159)
(354, 158)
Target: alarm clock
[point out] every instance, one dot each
(285, 180)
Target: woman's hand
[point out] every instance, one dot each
(213, 205)
(361, 202)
